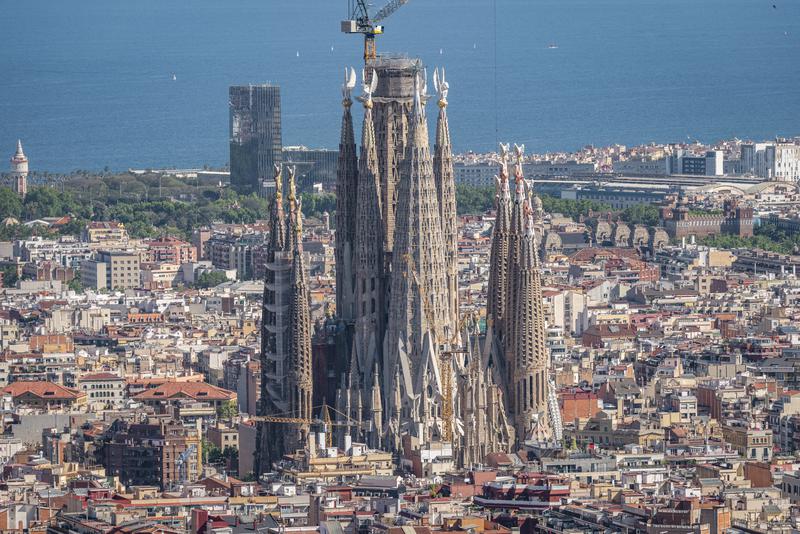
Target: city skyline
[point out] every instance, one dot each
(397, 336)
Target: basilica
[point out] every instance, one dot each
(419, 373)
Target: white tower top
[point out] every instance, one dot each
(19, 171)
(19, 163)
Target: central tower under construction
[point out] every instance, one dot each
(418, 372)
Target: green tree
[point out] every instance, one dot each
(646, 214)
(10, 276)
(75, 284)
(10, 203)
(315, 204)
(472, 200)
(211, 453)
(209, 279)
(228, 410)
(231, 456)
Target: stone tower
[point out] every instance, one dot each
(282, 371)
(299, 383)
(419, 314)
(515, 235)
(516, 337)
(370, 292)
(498, 261)
(346, 185)
(19, 171)
(531, 378)
(446, 193)
(393, 105)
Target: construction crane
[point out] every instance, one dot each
(445, 355)
(325, 421)
(360, 21)
(182, 461)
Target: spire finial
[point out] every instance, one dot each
(292, 189)
(420, 87)
(502, 179)
(441, 86)
(519, 151)
(347, 86)
(278, 177)
(528, 210)
(368, 88)
(298, 220)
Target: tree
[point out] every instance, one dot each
(646, 214)
(75, 284)
(10, 203)
(315, 204)
(10, 276)
(249, 477)
(471, 200)
(211, 453)
(228, 410)
(209, 279)
(231, 457)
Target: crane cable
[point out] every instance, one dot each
(494, 29)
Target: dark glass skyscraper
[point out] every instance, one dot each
(255, 140)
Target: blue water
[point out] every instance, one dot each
(88, 83)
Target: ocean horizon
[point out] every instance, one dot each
(95, 84)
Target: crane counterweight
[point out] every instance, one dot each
(361, 22)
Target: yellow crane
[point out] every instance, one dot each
(325, 421)
(445, 355)
(360, 21)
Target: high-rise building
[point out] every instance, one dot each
(255, 136)
(19, 171)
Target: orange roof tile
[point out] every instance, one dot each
(45, 390)
(193, 390)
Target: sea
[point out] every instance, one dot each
(118, 84)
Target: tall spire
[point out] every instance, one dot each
(277, 232)
(292, 205)
(300, 383)
(498, 262)
(531, 381)
(419, 310)
(369, 257)
(446, 192)
(515, 235)
(19, 153)
(269, 445)
(377, 409)
(346, 185)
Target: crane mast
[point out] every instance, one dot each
(360, 21)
